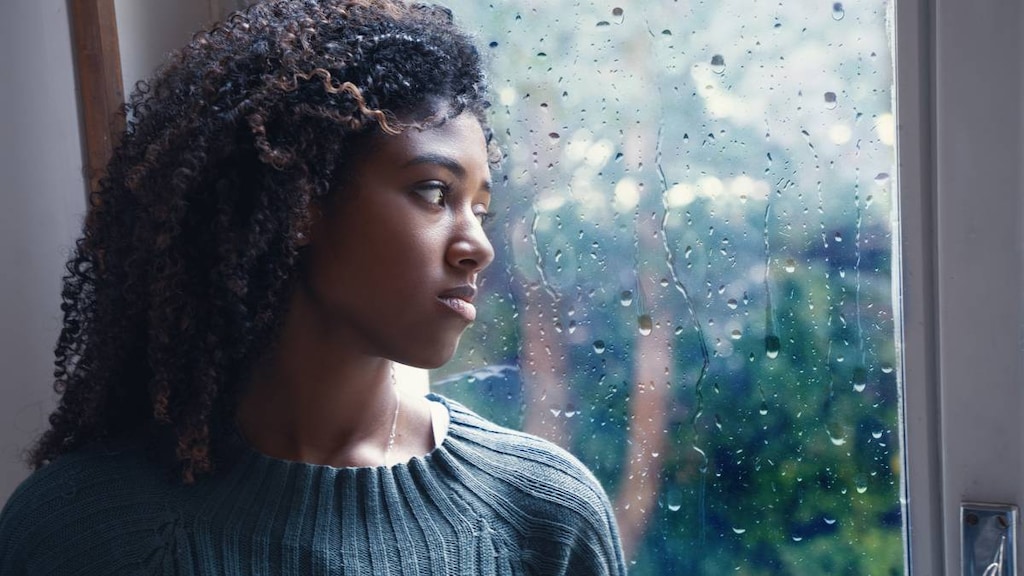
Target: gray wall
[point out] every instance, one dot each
(43, 198)
(149, 29)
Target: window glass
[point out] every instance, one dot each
(693, 284)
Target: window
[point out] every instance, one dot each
(693, 288)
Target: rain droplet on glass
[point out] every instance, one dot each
(790, 266)
(830, 100)
(626, 298)
(718, 64)
(599, 346)
(645, 324)
(674, 500)
(860, 377)
(772, 345)
(838, 12)
(861, 484)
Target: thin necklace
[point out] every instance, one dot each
(394, 421)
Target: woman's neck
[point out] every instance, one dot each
(315, 398)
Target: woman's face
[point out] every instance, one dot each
(394, 260)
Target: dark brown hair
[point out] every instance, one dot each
(180, 279)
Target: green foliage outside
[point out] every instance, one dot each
(688, 182)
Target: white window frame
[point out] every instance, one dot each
(915, 295)
(960, 133)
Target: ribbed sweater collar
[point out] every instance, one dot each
(270, 499)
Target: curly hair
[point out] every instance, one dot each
(179, 282)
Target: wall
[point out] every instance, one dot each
(43, 194)
(149, 30)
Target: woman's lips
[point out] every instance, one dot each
(460, 300)
(459, 306)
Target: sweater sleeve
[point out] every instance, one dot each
(563, 516)
(608, 534)
(92, 512)
(10, 544)
(18, 523)
(597, 549)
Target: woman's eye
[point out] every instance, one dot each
(484, 216)
(433, 192)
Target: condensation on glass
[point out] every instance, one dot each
(693, 284)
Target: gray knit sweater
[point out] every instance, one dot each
(487, 501)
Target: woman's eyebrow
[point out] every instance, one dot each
(453, 165)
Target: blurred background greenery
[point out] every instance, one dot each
(693, 289)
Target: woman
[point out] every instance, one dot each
(296, 205)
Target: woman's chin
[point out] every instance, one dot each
(429, 358)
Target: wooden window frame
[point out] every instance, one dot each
(97, 60)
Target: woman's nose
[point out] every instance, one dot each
(470, 250)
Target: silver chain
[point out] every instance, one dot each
(394, 422)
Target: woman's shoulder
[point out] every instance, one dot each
(563, 517)
(525, 462)
(91, 470)
(77, 503)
